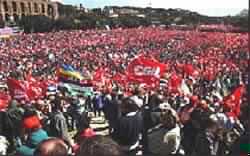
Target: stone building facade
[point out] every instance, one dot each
(12, 10)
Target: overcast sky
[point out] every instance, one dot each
(206, 7)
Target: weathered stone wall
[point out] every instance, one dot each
(15, 9)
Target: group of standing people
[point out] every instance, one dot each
(170, 120)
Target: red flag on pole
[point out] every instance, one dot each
(144, 66)
(17, 89)
(144, 70)
(233, 101)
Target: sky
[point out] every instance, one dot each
(205, 7)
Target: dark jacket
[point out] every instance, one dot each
(128, 129)
(206, 145)
(58, 126)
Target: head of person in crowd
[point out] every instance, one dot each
(86, 133)
(29, 111)
(57, 105)
(31, 123)
(128, 105)
(139, 90)
(168, 119)
(99, 146)
(156, 100)
(52, 147)
(198, 118)
(211, 126)
(13, 104)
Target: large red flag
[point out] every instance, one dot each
(34, 88)
(233, 101)
(144, 70)
(142, 66)
(150, 81)
(17, 89)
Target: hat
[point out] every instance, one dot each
(31, 122)
(194, 99)
(87, 133)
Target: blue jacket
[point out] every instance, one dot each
(33, 140)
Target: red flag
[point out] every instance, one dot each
(150, 81)
(17, 89)
(98, 74)
(233, 101)
(147, 71)
(34, 88)
(144, 66)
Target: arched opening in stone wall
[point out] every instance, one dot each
(50, 10)
(22, 7)
(14, 6)
(43, 8)
(5, 6)
(7, 17)
(29, 7)
(23, 15)
(36, 7)
(16, 17)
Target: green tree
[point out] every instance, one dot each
(36, 24)
(65, 23)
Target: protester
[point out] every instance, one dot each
(51, 147)
(207, 142)
(132, 76)
(35, 135)
(129, 126)
(99, 146)
(58, 125)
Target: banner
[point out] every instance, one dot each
(144, 70)
(35, 88)
(141, 66)
(17, 89)
(67, 71)
(149, 81)
(73, 89)
(30, 89)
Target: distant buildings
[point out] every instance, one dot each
(119, 11)
(12, 10)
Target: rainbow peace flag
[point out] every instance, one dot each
(68, 71)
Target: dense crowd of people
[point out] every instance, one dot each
(197, 107)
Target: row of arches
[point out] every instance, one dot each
(15, 10)
(29, 7)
